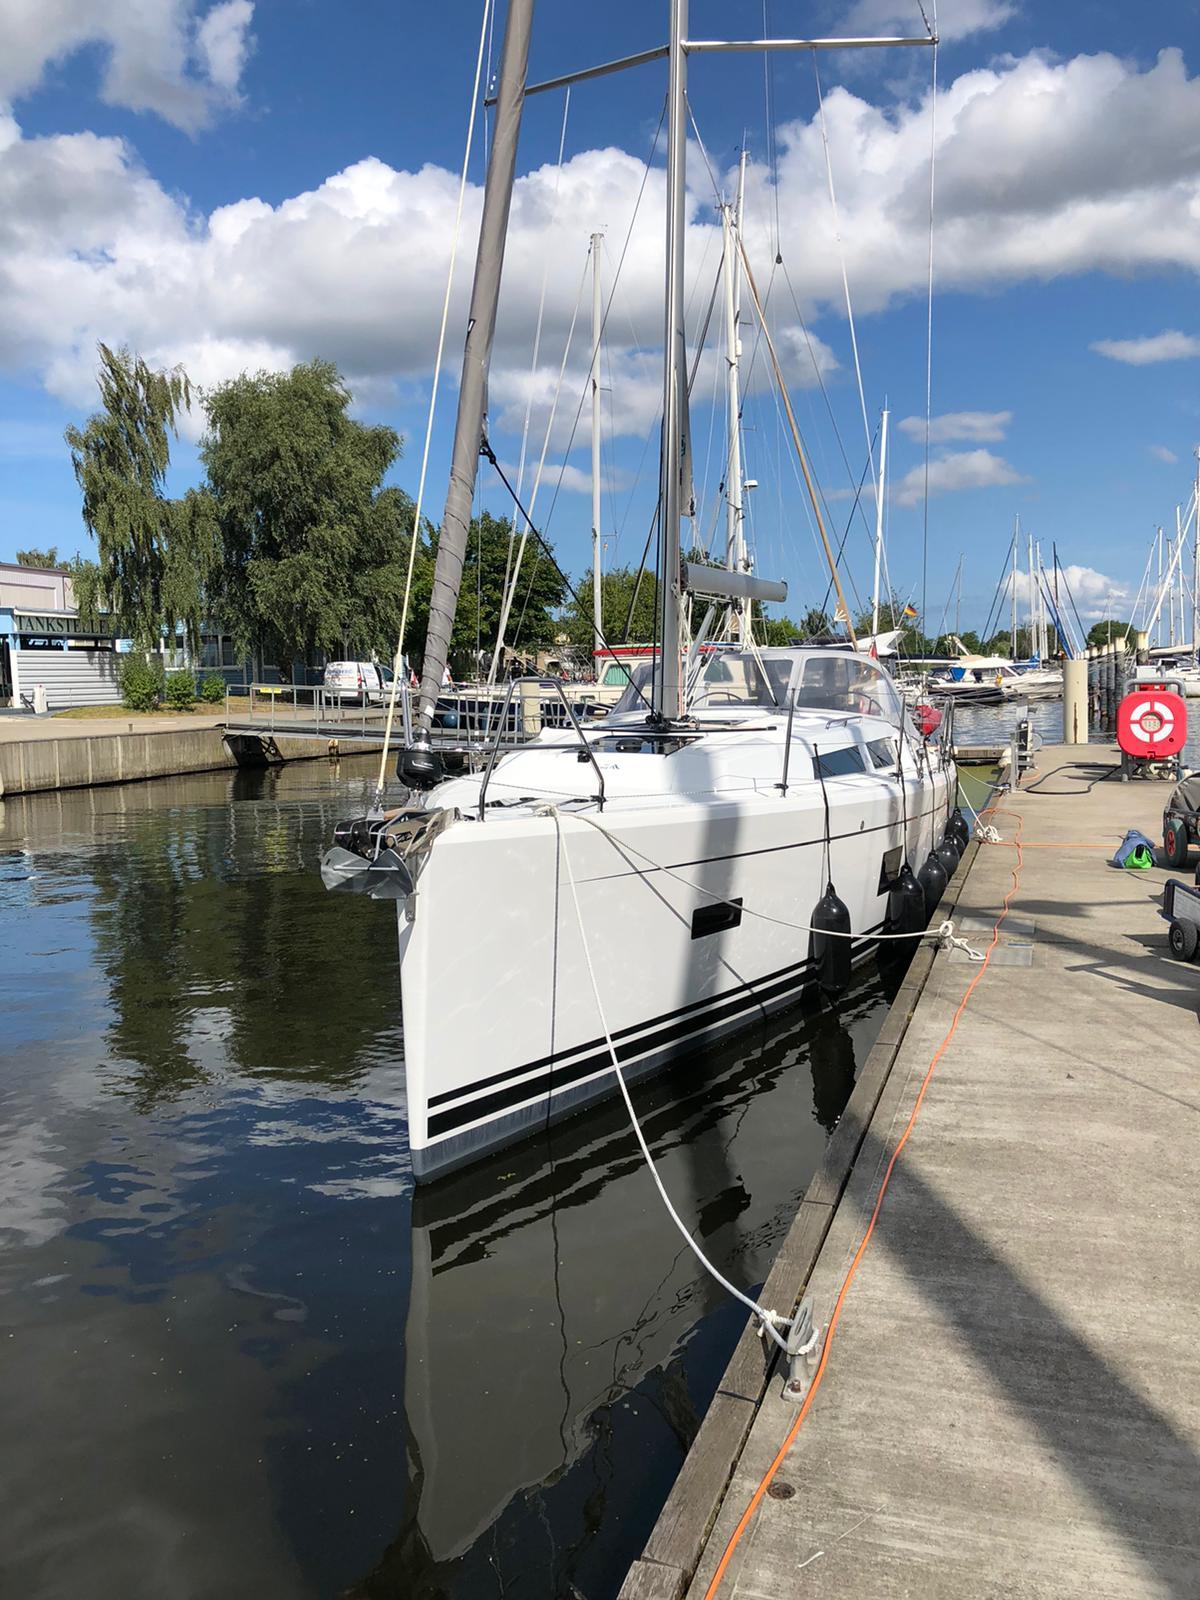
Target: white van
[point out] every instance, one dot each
(358, 683)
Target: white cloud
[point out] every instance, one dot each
(1037, 177)
(1168, 346)
(1161, 453)
(975, 427)
(957, 19)
(1095, 594)
(223, 41)
(161, 55)
(965, 469)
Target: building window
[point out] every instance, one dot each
(216, 651)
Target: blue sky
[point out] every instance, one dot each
(327, 140)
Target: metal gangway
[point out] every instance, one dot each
(467, 721)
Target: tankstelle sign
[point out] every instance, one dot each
(50, 624)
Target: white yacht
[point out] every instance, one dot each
(742, 824)
(698, 855)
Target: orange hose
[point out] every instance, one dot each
(835, 1318)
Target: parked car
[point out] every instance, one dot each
(358, 683)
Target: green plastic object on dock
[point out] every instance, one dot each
(1134, 851)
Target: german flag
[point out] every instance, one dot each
(909, 611)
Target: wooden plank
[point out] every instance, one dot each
(678, 1536)
(649, 1580)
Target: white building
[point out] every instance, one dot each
(43, 641)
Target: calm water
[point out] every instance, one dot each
(241, 1357)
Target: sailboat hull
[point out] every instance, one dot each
(695, 919)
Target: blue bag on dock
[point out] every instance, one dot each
(1134, 851)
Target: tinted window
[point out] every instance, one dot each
(882, 752)
(839, 763)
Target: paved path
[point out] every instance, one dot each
(27, 729)
(1012, 1400)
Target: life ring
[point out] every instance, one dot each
(1153, 722)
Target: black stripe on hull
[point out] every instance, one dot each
(671, 1028)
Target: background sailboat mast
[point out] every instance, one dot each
(481, 325)
(1012, 648)
(879, 499)
(1196, 567)
(597, 593)
(735, 541)
(669, 680)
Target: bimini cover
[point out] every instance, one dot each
(1134, 851)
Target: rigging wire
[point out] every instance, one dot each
(611, 297)
(489, 454)
(398, 663)
(929, 327)
(772, 144)
(837, 234)
(511, 591)
(506, 600)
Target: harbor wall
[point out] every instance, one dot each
(36, 765)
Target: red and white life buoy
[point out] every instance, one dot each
(1152, 725)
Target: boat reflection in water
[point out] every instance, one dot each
(560, 1349)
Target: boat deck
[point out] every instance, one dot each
(1011, 1402)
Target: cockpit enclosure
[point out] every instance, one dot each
(841, 682)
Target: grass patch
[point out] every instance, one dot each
(119, 713)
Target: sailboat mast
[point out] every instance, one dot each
(879, 498)
(597, 594)
(669, 681)
(1196, 567)
(481, 326)
(735, 544)
(1012, 642)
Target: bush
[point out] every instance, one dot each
(140, 681)
(180, 690)
(212, 690)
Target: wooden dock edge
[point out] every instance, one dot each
(672, 1553)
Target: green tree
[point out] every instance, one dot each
(776, 630)
(40, 558)
(540, 592)
(617, 588)
(314, 552)
(1110, 631)
(156, 554)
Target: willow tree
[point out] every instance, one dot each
(156, 554)
(314, 549)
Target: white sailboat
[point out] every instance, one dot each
(743, 824)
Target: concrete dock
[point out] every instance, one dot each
(1010, 1403)
(44, 753)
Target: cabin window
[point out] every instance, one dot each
(882, 752)
(839, 763)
